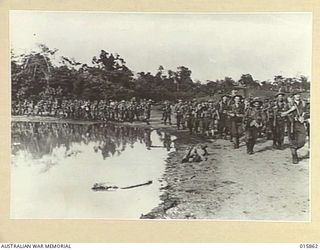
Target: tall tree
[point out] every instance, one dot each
(248, 81)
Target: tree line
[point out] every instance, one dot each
(37, 75)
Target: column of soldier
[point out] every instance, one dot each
(86, 110)
(234, 116)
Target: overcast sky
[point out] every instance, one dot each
(211, 45)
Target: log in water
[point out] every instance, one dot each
(103, 187)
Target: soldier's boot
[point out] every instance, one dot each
(235, 142)
(231, 138)
(274, 145)
(251, 147)
(280, 145)
(281, 141)
(184, 125)
(294, 154)
(248, 147)
(212, 133)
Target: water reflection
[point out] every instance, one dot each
(40, 139)
(53, 160)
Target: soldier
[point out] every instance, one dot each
(178, 109)
(13, 107)
(234, 93)
(223, 108)
(106, 111)
(77, 106)
(189, 117)
(87, 110)
(25, 107)
(48, 108)
(247, 104)
(197, 117)
(122, 108)
(268, 109)
(146, 115)
(290, 101)
(131, 112)
(101, 104)
(116, 110)
(194, 103)
(213, 117)
(204, 118)
(68, 111)
(136, 108)
(94, 109)
(21, 108)
(112, 114)
(297, 131)
(167, 113)
(145, 109)
(18, 107)
(236, 114)
(148, 109)
(253, 122)
(307, 119)
(279, 122)
(139, 110)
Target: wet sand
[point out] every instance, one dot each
(230, 185)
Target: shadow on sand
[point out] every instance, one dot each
(285, 146)
(304, 157)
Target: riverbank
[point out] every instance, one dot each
(230, 185)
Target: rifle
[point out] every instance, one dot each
(300, 116)
(187, 155)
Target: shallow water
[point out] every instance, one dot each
(54, 167)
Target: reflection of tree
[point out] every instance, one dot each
(40, 139)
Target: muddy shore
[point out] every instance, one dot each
(232, 185)
(229, 185)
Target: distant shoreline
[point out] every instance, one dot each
(155, 122)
